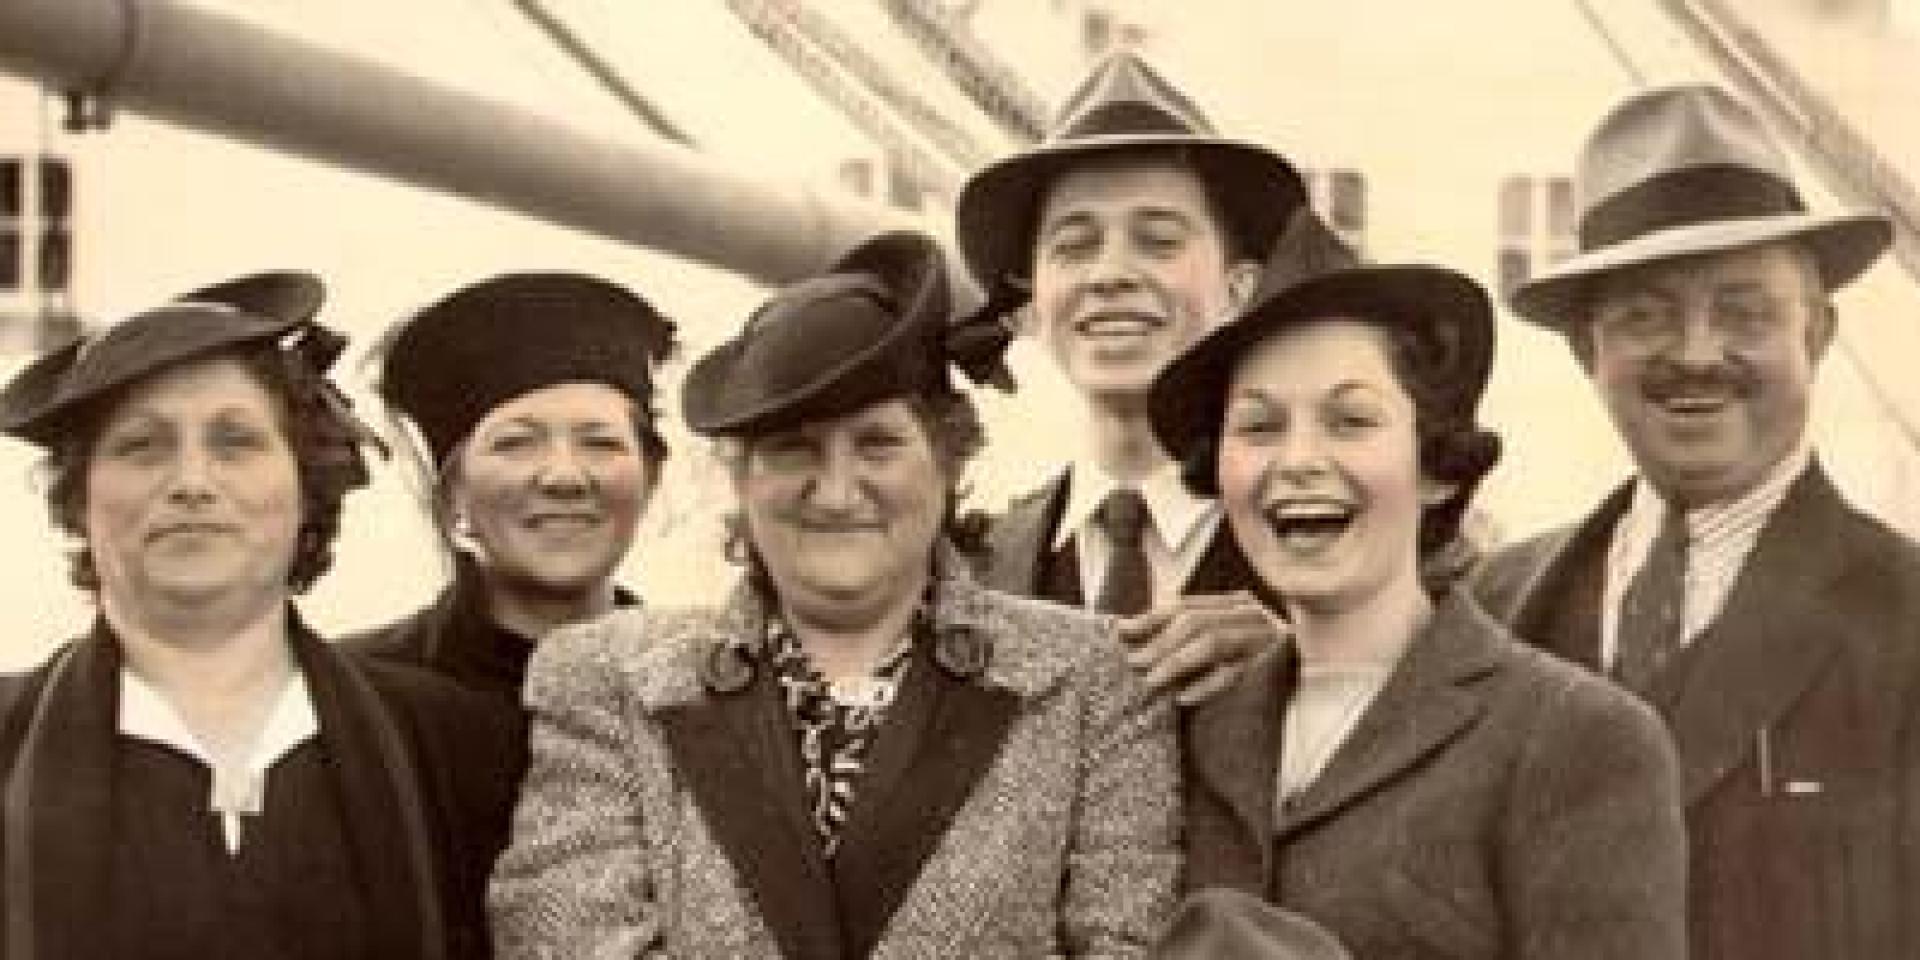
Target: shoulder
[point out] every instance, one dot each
(1565, 707)
(1038, 644)
(654, 652)
(403, 639)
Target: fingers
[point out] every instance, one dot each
(1199, 645)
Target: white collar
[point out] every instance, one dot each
(1649, 508)
(147, 715)
(1177, 514)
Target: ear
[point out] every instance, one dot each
(1434, 493)
(1243, 279)
(1822, 320)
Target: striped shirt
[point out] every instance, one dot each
(1720, 537)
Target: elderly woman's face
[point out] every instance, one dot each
(192, 490)
(551, 485)
(844, 511)
(1319, 464)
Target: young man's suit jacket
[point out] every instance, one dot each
(1796, 714)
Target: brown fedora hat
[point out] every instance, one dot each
(877, 324)
(39, 404)
(1311, 274)
(1682, 171)
(1224, 924)
(1123, 104)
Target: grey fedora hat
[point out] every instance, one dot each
(1687, 170)
(1122, 104)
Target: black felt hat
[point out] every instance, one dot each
(491, 341)
(1123, 104)
(40, 404)
(877, 324)
(1313, 275)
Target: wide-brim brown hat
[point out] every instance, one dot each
(1312, 275)
(40, 404)
(454, 361)
(1122, 105)
(1684, 171)
(1224, 924)
(870, 328)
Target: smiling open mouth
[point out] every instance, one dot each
(1117, 325)
(1308, 525)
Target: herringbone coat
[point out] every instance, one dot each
(1029, 811)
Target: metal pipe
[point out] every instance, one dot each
(206, 72)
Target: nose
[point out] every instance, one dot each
(1698, 344)
(192, 481)
(563, 473)
(1113, 269)
(1300, 457)
(836, 485)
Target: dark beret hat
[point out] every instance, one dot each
(489, 342)
(877, 325)
(39, 405)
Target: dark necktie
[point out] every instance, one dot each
(1127, 588)
(1652, 612)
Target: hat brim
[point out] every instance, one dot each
(1188, 398)
(997, 208)
(1844, 245)
(710, 408)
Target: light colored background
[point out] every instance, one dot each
(1434, 102)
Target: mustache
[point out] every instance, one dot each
(1727, 380)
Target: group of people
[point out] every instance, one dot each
(1234, 683)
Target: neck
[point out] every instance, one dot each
(222, 685)
(535, 612)
(1122, 439)
(1375, 629)
(843, 640)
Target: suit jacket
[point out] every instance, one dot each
(420, 769)
(1028, 811)
(1796, 714)
(1021, 560)
(1492, 802)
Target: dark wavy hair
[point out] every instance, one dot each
(1453, 449)
(308, 423)
(957, 435)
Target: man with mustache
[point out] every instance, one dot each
(1132, 230)
(1776, 629)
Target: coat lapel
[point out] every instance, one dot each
(1557, 606)
(1223, 567)
(736, 751)
(1427, 702)
(937, 744)
(59, 804)
(1020, 539)
(1769, 642)
(1232, 746)
(377, 782)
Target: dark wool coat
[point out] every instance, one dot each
(1020, 558)
(420, 768)
(1796, 714)
(1492, 802)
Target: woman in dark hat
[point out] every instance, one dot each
(864, 753)
(1401, 771)
(532, 394)
(201, 775)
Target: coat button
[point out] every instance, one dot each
(728, 668)
(962, 652)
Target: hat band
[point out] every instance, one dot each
(1128, 118)
(1685, 198)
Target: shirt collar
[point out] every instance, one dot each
(1177, 514)
(1649, 508)
(145, 714)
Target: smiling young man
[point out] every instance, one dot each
(1775, 629)
(1132, 231)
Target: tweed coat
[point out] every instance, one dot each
(1492, 802)
(1030, 811)
(1796, 714)
(419, 766)
(1020, 558)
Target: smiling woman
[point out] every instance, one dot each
(1403, 771)
(201, 773)
(865, 752)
